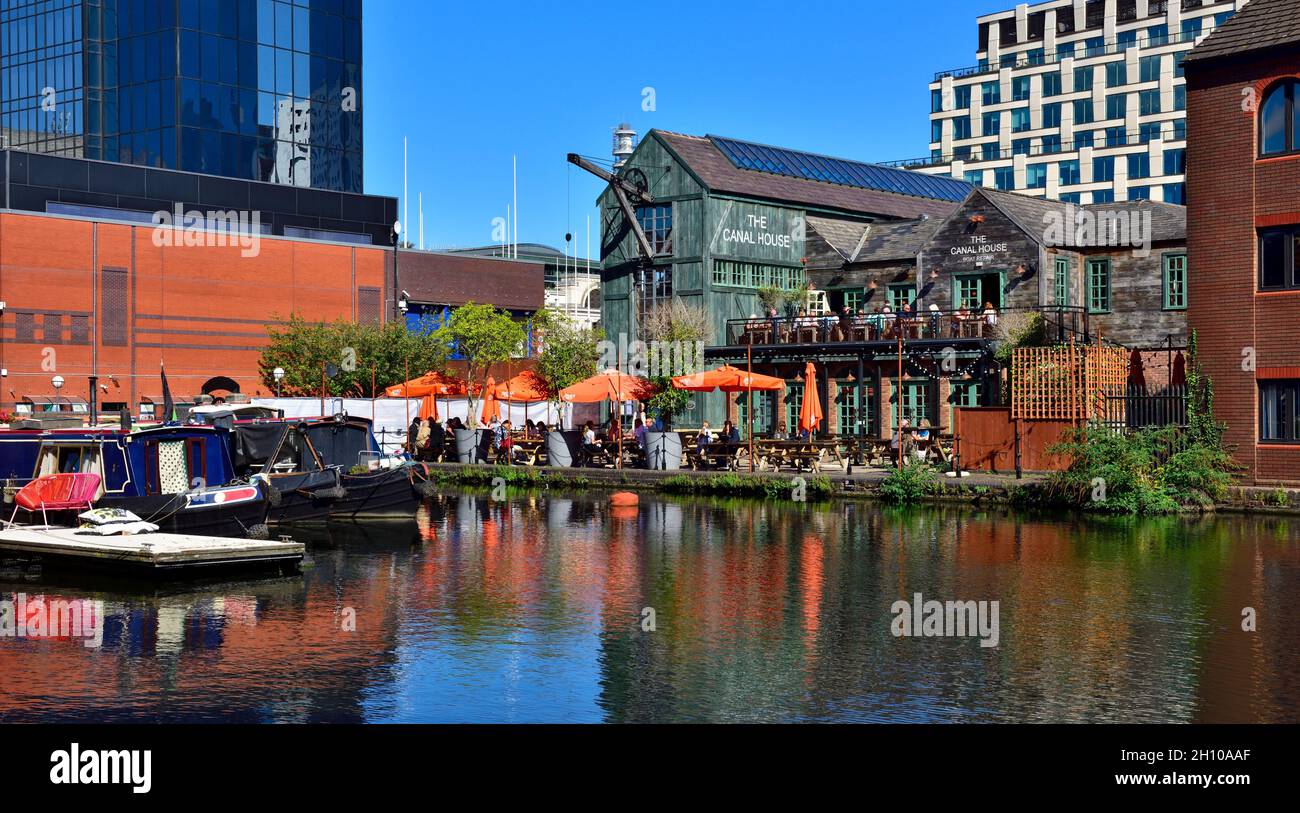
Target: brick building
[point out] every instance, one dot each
(1244, 213)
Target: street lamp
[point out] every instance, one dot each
(278, 375)
(57, 381)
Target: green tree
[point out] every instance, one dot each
(483, 336)
(677, 324)
(304, 349)
(570, 352)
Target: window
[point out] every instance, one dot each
(1004, 178)
(1180, 130)
(992, 92)
(763, 411)
(1082, 79)
(1178, 63)
(900, 294)
(1175, 281)
(1052, 115)
(793, 404)
(936, 132)
(1020, 89)
(1126, 40)
(916, 403)
(1180, 97)
(1064, 50)
(1103, 169)
(1175, 193)
(1061, 283)
(992, 123)
(1278, 119)
(1051, 84)
(1036, 176)
(1103, 196)
(1116, 105)
(975, 177)
(990, 151)
(1116, 74)
(657, 223)
(1094, 46)
(961, 127)
(961, 97)
(1278, 250)
(968, 292)
(1020, 120)
(849, 421)
(1279, 418)
(1158, 35)
(936, 101)
(1191, 28)
(1082, 111)
(1139, 165)
(964, 394)
(1149, 69)
(1148, 102)
(1020, 146)
(1083, 139)
(753, 275)
(1116, 137)
(1148, 132)
(1051, 144)
(1175, 162)
(1069, 173)
(1139, 193)
(1099, 286)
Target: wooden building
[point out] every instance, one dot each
(968, 265)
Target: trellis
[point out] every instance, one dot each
(1069, 382)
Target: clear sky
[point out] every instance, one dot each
(472, 83)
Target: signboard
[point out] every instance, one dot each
(977, 247)
(757, 233)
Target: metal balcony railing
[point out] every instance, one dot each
(1024, 60)
(961, 326)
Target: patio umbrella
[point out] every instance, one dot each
(1136, 376)
(491, 409)
(810, 412)
(429, 387)
(727, 379)
(527, 388)
(1180, 370)
(610, 385)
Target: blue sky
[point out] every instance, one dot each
(470, 84)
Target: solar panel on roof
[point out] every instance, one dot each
(809, 166)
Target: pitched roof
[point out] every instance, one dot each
(896, 241)
(842, 235)
(1168, 220)
(720, 174)
(1260, 25)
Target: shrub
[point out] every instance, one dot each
(913, 482)
(746, 485)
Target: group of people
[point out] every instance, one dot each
(428, 440)
(882, 323)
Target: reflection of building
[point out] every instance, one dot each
(1244, 140)
(1078, 101)
(202, 87)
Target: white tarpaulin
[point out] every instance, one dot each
(391, 415)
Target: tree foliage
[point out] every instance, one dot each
(482, 336)
(303, 348)
(677, 322)
(570, 352)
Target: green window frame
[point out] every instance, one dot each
(1175, 281)
(735, 274)
(847, 416)
(1061, 283)
(1098, 286)
(793, 403)
(964, 394)
(969, 292)
(916, 402)
(763, 412)
(854, 299)
(900, 294)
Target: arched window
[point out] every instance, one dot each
(1279, 120)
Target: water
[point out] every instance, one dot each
(532, 611)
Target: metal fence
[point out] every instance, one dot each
(1141, 408)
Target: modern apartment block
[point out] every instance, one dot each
(1081, 101)
(260, 90)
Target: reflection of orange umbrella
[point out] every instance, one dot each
(610, 385)
(491, 408)
(810, 412)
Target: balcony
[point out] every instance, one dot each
(1017, 61)
(833, 335)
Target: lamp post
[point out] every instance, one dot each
(57, 381)
(278, 375)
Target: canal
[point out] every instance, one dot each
(546, 608)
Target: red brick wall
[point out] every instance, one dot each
(202, 310)
(1230, 194)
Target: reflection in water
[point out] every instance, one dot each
(532, 610)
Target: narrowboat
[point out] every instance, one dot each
(178, 477)
(326, 469)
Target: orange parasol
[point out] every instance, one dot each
(727, 379)
(429, 387)
(611, 385)
(491, 409)
(527, 387)
(810, 412)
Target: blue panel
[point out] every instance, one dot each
(809, 166)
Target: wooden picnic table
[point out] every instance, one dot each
(718, 454)
(800, 454)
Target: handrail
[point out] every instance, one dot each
(1062, 323)
(1024, 61)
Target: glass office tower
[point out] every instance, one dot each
(265, 90)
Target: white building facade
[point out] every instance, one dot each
(1082, 101)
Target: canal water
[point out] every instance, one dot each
(547, 608)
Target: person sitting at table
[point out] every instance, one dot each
(957, 319)
(827, 323)
(934, 321)
(730, 433)
(504, 442)
(590, 444)
(706, 435)
(846, 324)
(421, 440)
(642, 427)
(613, 430)
(436, 443)
(881, 321)
(990, 318)
(902, 438)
